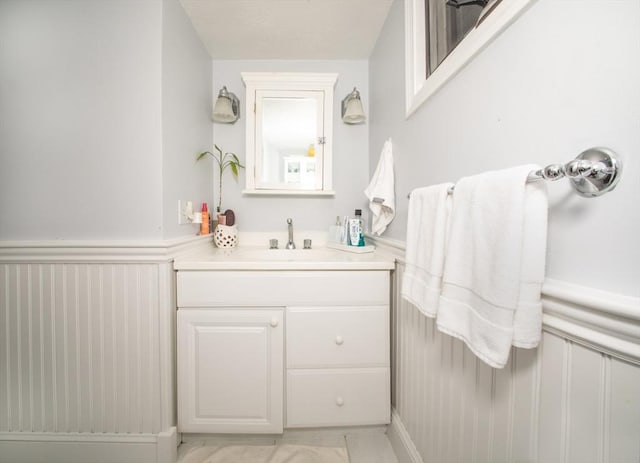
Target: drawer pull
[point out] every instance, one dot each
(273, 322)
(339, 340)
(339, 401)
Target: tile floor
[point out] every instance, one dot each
(364, 445)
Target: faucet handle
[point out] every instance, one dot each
(289, 221)
(273, 243)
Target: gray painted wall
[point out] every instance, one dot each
(186, 118)
(86, 88)
(350, 151)
(560, 80)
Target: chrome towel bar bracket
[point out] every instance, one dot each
(592, 173)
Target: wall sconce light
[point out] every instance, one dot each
(227, 107)
(352, 111)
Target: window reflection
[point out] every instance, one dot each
(447, 23)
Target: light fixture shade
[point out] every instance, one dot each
(226, 109)
(352, 110)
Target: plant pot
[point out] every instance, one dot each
(225, 236)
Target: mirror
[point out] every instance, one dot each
(289, 127)
(289, 133)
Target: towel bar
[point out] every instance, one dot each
(593, 172)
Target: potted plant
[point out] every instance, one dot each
(225, 234)
(224, 161)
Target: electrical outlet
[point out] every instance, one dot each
(185, 212)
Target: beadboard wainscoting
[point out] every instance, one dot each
(576, 398)
(87, 351)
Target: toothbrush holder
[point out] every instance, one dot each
(225, 236)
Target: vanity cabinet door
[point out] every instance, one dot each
(230, 370)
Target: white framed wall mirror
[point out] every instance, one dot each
(442, 36)
(289, 133)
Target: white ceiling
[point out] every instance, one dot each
(288, 29)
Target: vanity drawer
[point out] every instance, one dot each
(282, 288)
(348, 396)
(321, 337)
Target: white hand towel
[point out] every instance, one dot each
(495, 263)
(380, 191)
(427, 223)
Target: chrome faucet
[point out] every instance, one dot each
(290, 243)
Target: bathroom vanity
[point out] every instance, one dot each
(274, 339)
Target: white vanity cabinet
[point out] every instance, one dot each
(259, 351)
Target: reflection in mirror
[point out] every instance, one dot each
(288, 153)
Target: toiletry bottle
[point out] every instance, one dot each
(335, 232)
(204, 226)
(355, 229)
(344, 232)
(360, 227)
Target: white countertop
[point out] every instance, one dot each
(261, 258)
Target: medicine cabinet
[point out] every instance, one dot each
(289, 133)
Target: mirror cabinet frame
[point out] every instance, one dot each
(258, 82)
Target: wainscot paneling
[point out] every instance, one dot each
(86, 351)
(576, 398)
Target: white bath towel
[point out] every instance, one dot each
(427, 223)
(380, 191)
(527, 322)
(495, 263)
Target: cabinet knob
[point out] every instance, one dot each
(274, 322)
(339, 340)
(339, 401)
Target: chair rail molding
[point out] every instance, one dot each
(602, 320)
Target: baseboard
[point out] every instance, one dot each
(167, 448)
(22, 447)
(401, 442)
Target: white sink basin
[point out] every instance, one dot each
(259, 258)
(321, 254)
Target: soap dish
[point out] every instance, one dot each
(354, 249)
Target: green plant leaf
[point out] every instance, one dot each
(236, 160)
(203, 154)
(234, 169)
